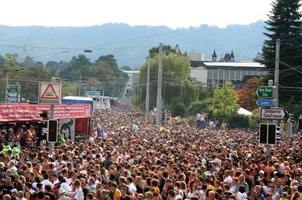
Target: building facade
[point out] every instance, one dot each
(213, 73)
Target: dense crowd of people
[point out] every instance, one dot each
(131, 158)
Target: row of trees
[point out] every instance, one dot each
(76, 76)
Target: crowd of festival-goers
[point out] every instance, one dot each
(128, 157)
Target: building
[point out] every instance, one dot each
(131, 86)
(215, 72)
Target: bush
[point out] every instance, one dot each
(239, 121)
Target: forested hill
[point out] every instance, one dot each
(129, 44)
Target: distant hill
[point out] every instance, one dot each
(129, 44)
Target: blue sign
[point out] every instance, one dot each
(264, 102)
(93, 93)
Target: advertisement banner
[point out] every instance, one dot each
(31, 112)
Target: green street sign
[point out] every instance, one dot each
(265, 91)
(13, 88)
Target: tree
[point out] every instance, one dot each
(167, 49)
(108, 59)
(31, 77)
(284, 23)
(9, 69)
(247, 96)
(177, 88)
(126, 68)
(224, 102)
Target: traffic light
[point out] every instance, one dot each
(300, 124)
(52, 135)
(272, 130)
(163, 116)
(267, 133)
(291, 118)
(45, 114)
(263, 133)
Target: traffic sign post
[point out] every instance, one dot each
(265, 102)
(272, 113)
(50, 92)
(266, 91)
(93, 93)
(13, 93)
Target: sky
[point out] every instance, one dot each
(171, 13)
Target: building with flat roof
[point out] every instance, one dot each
(215, 72)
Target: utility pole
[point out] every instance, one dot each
(276, 77)
(80, 85)
(148, 88)
(159, 85)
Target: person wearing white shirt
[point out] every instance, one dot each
(54, 179)
(228, 179)
(78, 193)
(131, 186)
(46, 181)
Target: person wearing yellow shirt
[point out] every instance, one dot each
(209, 186)
(116, 192)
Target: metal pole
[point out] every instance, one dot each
(277, 71)
(159, 85)
(267, 146)
(148, 88)
(6, 84)
(18, 92)
(51, 116)
(289, 131)
(80, 85)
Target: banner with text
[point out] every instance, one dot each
(31, 112)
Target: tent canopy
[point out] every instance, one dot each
(243, 111)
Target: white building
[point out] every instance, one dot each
(131, 84)
(216, 73)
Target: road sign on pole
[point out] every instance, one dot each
(93, 93)
(272, 113)
(266, 91)
(265, 102)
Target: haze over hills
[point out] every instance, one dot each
(129, 44)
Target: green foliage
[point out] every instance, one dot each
(284, 23)
(179, 110)
(254, 119)
(126, 68)
(238, 121)
(11, 68)
(104, 74)
(293, 108)
(78, 74)
(176, 86)
(167, 49)
(197, 107)
(30, 78)
(224, 102)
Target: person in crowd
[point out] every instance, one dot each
(153, 163)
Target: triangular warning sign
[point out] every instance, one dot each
(49, 93)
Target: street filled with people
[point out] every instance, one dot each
(128, 157)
